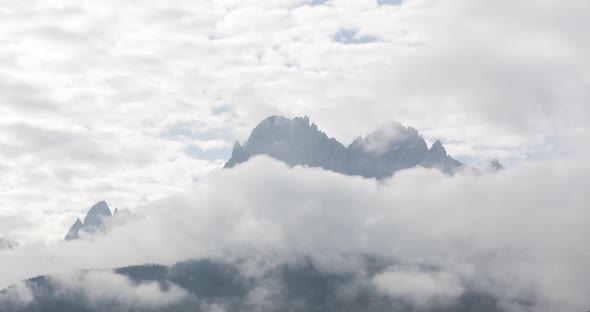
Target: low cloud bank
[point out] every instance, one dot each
(423, 288)
(518, 234)
(97, 287)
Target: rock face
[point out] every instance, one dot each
(6, 244)
(93, 222)
(390, 148)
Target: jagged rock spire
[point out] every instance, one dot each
(239, 155)
(96, 213)
(73, 233)
(94, 221)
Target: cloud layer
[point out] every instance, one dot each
(99, 287)
(423, 288)
(517, 234)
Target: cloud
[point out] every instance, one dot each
(17, 295)
(381, 139)
(516, 234)
(98, 287)
(422, 288)
(212, 144)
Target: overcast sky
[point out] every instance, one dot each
(132, 101)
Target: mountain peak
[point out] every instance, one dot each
(239, 155)
(96, 213)
(391, 147)
(281, 120)
(94, 221)
(293, 141)
(438, 149)
(283, 125)
(74, 231)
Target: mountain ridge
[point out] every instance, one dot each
(390, 148)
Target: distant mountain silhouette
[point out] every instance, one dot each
(94, 221)
(390, 148)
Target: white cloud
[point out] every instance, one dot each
(17, 295)
(420, 287)
(98, 287)
(382, 139)
(518, 234)
(207, 145)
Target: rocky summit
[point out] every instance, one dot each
(93, 222)
(390, 148)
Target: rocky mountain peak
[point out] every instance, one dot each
(391, 147)
(73, 232)
(438, 150)
(93, 222)
(239, 155)
(293, 141)
(96, 213)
